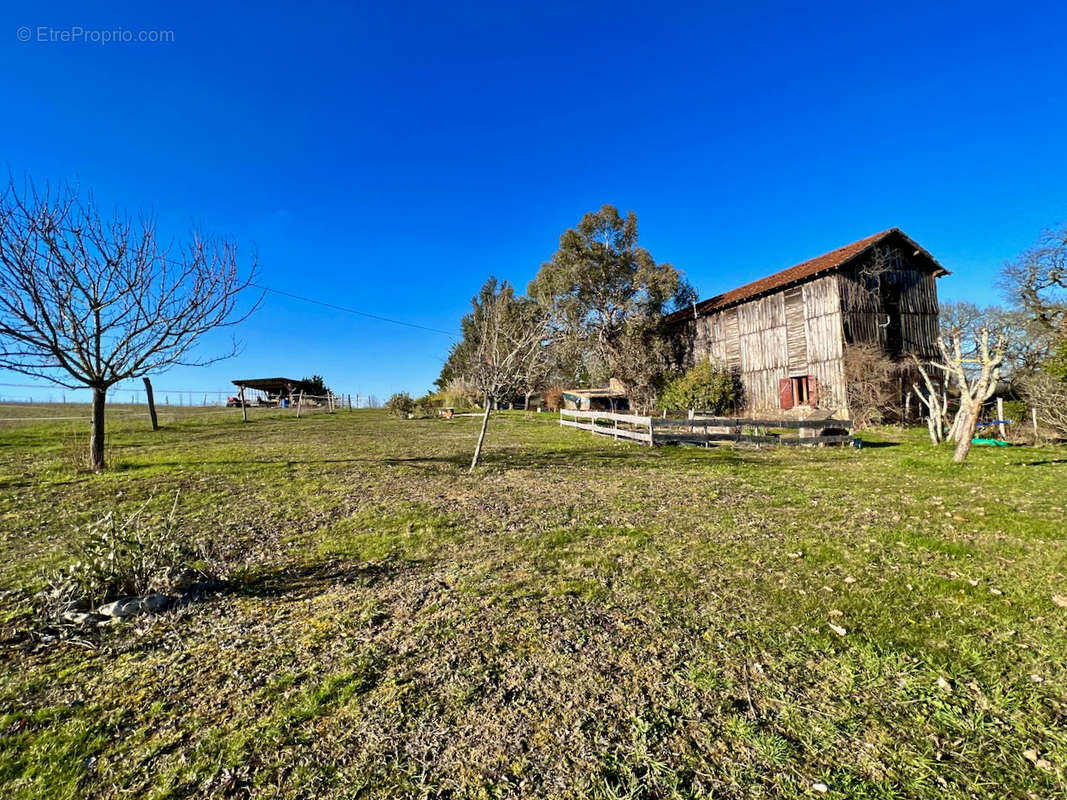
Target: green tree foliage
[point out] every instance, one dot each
(314, 386)
(707, 386)
(606, 295)
(1056, 363)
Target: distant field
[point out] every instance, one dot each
(583, 618)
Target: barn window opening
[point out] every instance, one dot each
(800, 391)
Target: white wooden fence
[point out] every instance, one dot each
(706, 429)
(618, 426)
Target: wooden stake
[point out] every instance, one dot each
(151, 404)
(299, 402)
(244, 408)
(1033, 415)
(1000, 416)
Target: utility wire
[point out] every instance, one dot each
(353, 311)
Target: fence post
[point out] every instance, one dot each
(299, 402)
(651, 434)
(1000, 416)
(151, 404)
(1033, 415)
(349, 402)
(244, 408)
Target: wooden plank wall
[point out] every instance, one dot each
(864, 311)
(843, 307)
(794, 329)
(753, 337)
(822, 325)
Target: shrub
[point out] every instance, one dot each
(554, 398)
(706, 386)
(1048, 394)
(1017, 411)
(127, 557)
(429, 403)
(400, 405)
(459, 394)
(872, 385)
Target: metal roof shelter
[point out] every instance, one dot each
(268, 385)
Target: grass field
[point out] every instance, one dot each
(581, 619)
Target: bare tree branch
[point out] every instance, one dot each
(88, 300)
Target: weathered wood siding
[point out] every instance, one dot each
(897, 309)
(822, 326)
(804, 329)
(775, 337)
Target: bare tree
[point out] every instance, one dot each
(932, 395)
(1047, 395)
(88, 300)
(502, 336)
(975, 386)
(1026, 341)
(1037, 281)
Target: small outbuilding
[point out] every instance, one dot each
(605, 398)
(269, 391)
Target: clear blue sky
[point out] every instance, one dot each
(390, 157)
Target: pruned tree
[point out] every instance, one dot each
(975, 384)
(932, 395)
(1027, 343)
(88, 300)
(604, 293)
(503, 335)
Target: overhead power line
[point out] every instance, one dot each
(378, 317)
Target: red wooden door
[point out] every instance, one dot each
(785, 393)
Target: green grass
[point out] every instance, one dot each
(582, 618)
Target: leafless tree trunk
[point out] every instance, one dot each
(502, 336)
(974, 388)
(96, 440)
(934, 400)
(89, 301)
(481, 436)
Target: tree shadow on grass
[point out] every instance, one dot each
(518, 458)
(301, 581)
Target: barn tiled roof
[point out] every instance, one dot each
(806, 270)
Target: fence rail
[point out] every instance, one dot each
(705, 429)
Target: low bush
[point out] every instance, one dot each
(400, 405)
(119, 557)
(429, 403)
(872, 384)
(707, 386)
(460, 395)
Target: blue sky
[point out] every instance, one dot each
(391, 156)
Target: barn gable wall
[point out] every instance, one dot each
(804, 329)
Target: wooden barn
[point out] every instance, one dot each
(786, 334)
